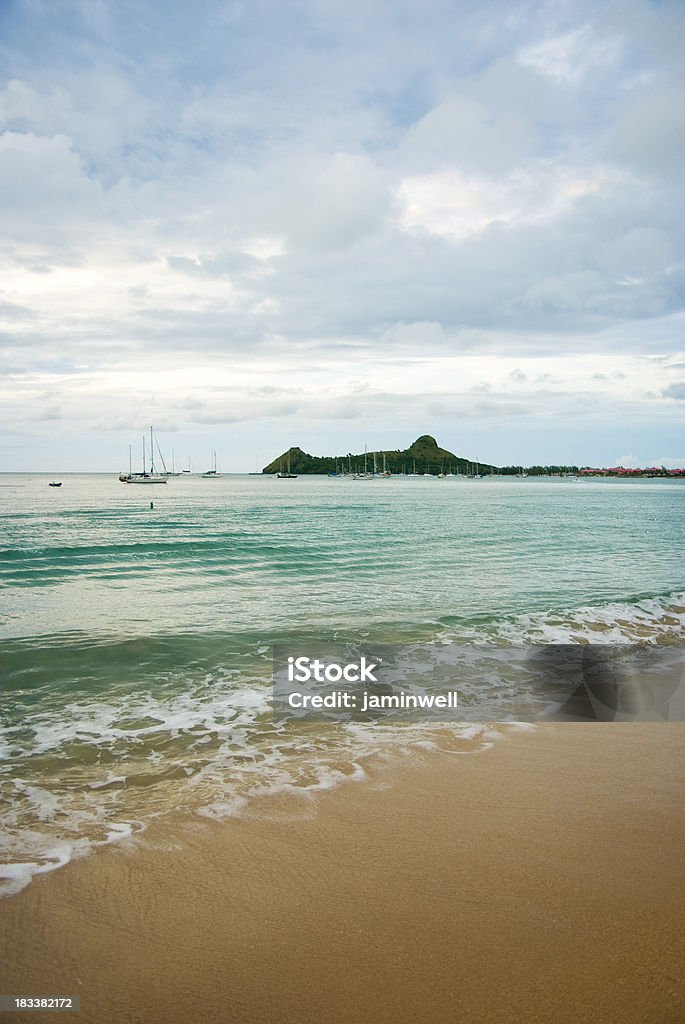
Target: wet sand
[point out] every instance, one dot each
(540, 881)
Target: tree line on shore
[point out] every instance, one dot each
(426, 457)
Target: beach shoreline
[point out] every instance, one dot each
(540, 880)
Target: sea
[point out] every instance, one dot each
(137, 625)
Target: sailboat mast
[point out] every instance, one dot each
(143, 454)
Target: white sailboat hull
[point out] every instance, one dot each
(145, 480)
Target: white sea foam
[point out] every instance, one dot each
(651, 620)
(16, 876)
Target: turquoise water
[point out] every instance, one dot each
(135, 642)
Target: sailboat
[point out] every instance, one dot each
(150, 476)
(365, 475)
(173, 471)
(212, 473)
(287, 475)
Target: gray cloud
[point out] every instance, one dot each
(676, 390)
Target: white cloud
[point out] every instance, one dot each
(321, 202)
(46, 197)
(463, 133)
(98, 110)
(568, 58)
(415, 335)
(634, 462)
(627, 461)
(446, 203)
(649, 134)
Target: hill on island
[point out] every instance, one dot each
(423, 456)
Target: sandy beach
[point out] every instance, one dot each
(541, 880)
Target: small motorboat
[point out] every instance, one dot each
(55, 483)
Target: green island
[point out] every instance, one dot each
(423, 456)
(426, 457)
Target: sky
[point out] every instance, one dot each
(325, 224)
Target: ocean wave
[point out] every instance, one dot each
(148, 727)
(652, 618)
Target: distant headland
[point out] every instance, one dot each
(426, 457)
(423, 456)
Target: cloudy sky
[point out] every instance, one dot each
(328, 224)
